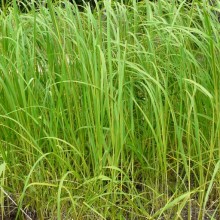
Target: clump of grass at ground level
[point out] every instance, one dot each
(111, 114)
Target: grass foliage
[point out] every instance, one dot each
(111, 114)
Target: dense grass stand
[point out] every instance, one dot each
(111, 112)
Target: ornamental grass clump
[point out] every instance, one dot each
(112, 113)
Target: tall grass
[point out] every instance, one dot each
(111, 114)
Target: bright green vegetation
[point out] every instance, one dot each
(111, 114)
